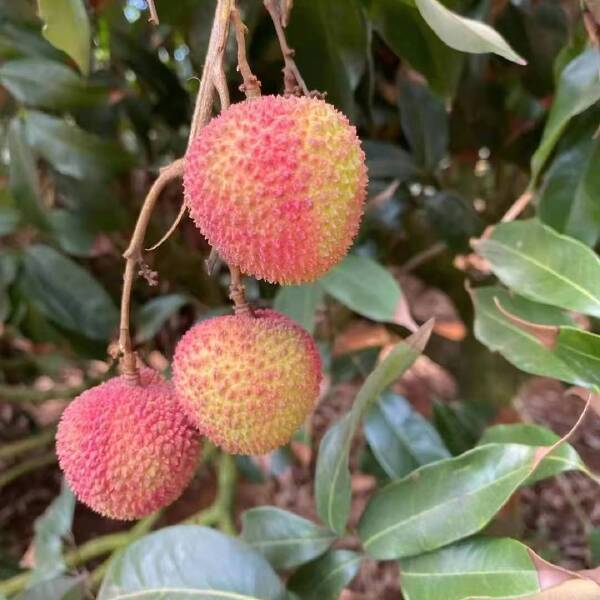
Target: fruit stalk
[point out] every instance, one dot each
(212, 79)
(293, 81)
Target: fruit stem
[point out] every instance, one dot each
(294, 84)
(251, 85)
(237, 293)
(212, 79)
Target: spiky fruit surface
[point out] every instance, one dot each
(247, 382)
(277, 186)
(127, 450)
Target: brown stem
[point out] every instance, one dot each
(153, 12)
(251, 85)
(202, 112)
(293, 82)
(237, 292)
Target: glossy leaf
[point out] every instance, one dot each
(49, 84)
(578, 89)
(299, 302)
(519, 347)
(155, 313)
(405, 31)
(190, 562)
(425, 123)
(67, 27)
(334, 57)
(567, 200)
(73, 151)
(400, 438)
(23, 179)
(332, 479)
(580, 351)
(285, 539)
(466, 35)
(50, 531)
(564, 458)
(487, 567)
(367, 288)
(326, 577)
(545, 266)
(67, 294)
(417, 514)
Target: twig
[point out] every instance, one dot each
(513, 212)
(293, 82)
(153, 13)
(133, 258)
(26, 444)
(251, 84)
(27, 466)
(237, 293)
(202, 111)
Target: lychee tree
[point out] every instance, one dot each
(483, 180)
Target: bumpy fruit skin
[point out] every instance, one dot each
(247, 382)
(277, 186)
(127, 450)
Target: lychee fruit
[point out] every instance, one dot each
(248, 382)
(127, 450)
(277, 185)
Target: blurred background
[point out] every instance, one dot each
(448, 138)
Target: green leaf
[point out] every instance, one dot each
(388, 161)
(519, 347)
(332, 479)
(400, 438)
(73, 151)
(67, 27)
(466, 35)
(23, 179)
(364, 286)
(59, 588)
(580, 351)
(190, 562)
(564, 458)
(481, 566)
(578, 89)
(67, 294)
(457, 425)
(405, 31)
(326, 577)
(285, 539)
(545, 266)
(299, 302)
(424, 122)
(71, 232)
(567, 201)
(418, 513)
(50, 531)
(155, 313)
(44, 83)
(333, 57)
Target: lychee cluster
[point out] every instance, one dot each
(248, 382)
(277, 184)
(127, 450)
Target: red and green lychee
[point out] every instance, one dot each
(247, 382)
(277, 185)
(127, 450)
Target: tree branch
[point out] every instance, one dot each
(293, 82)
